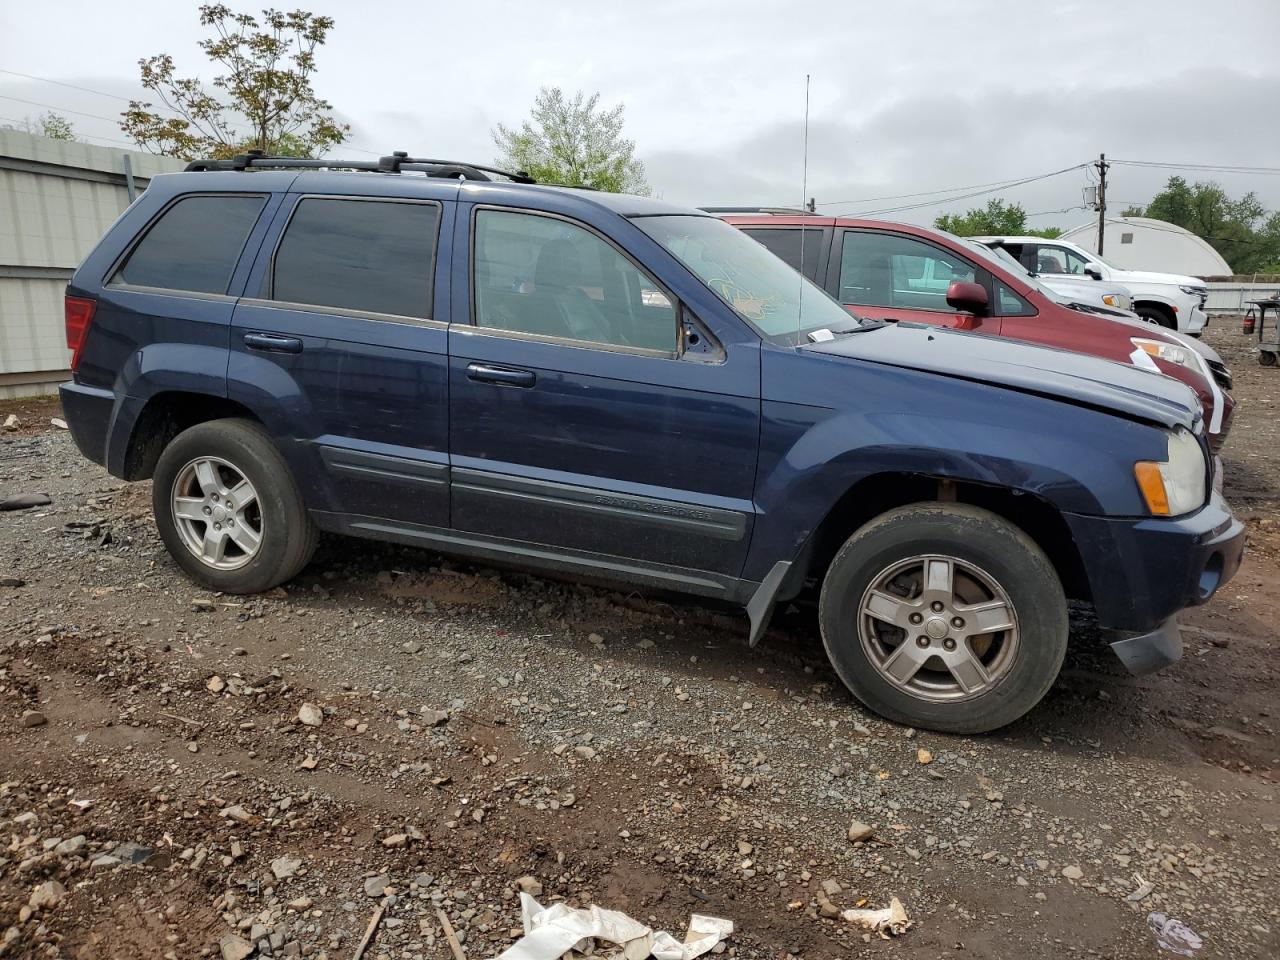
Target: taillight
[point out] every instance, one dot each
(79, 314)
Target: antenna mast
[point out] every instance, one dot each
(804, 193)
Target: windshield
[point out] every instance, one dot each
(762, 289)
(1002, 257)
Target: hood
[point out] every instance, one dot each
(1029, 368)
(1099, 287)
(1144, 276)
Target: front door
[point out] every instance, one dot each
(346, 343)
(890, 276)
(581, 419)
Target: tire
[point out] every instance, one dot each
(1153, 316)
(265, 539)
(882, 567)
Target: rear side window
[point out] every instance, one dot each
(785, 244)
(194, 245)
(370, 256)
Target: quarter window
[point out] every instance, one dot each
(1009, 304)
(785, 244)
(369, 256)
(887, 270)
(544, 276)
(194, 246)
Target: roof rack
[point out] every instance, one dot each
(772, 211)
(395, 163)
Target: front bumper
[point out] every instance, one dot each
(1197, 319)
(1143, 571)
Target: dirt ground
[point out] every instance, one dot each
(161, 797)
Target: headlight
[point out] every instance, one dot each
(1177, 485)
(1118, 300)
(1163, 350)
(1195, 291)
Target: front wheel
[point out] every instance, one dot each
(228, 510)
(944, 616)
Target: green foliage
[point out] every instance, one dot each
(264, 100)
(49, 125)
(1242, 230)
(995, 219)
(572, 142)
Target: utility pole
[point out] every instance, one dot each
(1102, 167)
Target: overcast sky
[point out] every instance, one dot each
(907, 97)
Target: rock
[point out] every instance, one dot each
(744, 848)
(395, 840)
(413, 646)
(1073, 873)
(433, 718)
(234, 948)
(584, 752)
(831, 888)
(216, 685)
(24, 501)
(310, 715)
(285, 867)
(11, 422)
(130, 852)
(69, 848)
(202, 605)
(924, 756)
(376, 887)
(237, 813)
(530, 885)
(58, 422)
(12, 582)
(859, 832)
(33, 718)
(301, 903)
(47, 896)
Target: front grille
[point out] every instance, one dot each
(1221, 375)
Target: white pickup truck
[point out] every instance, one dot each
(1167, 299)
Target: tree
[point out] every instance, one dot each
(572, 142)
(1242, 230)
(996, 218)
(49, 125)
(267, 102)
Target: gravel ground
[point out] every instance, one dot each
(190, 775)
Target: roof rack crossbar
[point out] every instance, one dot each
(395, 163)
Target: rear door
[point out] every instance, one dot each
(796, 245)
(890, 276)
(345, 345)
(584, 417)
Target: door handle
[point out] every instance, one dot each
(503, 376)
(273, 343)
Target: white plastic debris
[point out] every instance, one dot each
(1174, 935)
(549, 932)
(888, 922)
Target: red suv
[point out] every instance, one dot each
(896, 271)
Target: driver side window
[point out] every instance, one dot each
(547, 277)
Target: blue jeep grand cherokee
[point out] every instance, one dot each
(616, 387)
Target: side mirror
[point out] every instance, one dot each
(1093, 270)
(969, 297)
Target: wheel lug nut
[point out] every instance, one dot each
(922, 641)
(949, 644)
(217, 526)
(957, 622)
(936, 606)
(207, 511)
(916, 618)
(214, 498)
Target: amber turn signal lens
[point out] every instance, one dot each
(1151, 483)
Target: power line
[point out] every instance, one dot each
(61, 83)
(965, 196)
(50, 106)
(1212, 167)
(928, 193)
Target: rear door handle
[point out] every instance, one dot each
(505, 376)
(272, 342)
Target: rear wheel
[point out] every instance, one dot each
(228, 510)
(944, 616)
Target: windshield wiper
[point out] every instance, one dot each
(824, 334)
